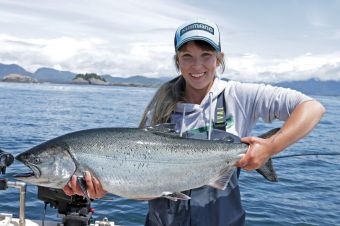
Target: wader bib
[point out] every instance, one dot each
(208, 206)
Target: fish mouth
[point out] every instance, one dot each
(35, 170)
(34, 173)
(24, 175)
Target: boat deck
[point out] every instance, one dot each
(8, 220)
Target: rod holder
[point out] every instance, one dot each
(22, 187)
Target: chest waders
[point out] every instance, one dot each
(208, 206)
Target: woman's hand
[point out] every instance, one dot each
(302, 120)
(94, 187)
(259, 151)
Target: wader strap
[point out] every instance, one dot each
(221, 118)
(220, 113)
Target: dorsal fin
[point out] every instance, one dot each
(163, 128)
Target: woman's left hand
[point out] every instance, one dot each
(301, 121)
(259, 151)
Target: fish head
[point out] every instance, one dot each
(51, 165)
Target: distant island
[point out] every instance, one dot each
(18, 78)
(50, 75)
(89, 78)
(15, 73)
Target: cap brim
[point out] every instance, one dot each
(198, 38)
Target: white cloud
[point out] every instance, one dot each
(105, 37)
(154, 59)
(134, 37)
(88, 55)
(65, 48)
(251, 67)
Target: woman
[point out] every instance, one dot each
(198, 102)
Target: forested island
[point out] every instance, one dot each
(89, 78)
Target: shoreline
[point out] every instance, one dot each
(90, 84)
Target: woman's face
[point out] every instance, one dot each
(198, 67)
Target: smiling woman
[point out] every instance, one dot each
(198, 61)
(188, 101)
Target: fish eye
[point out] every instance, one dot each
(36, 160)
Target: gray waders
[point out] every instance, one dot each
(208, 206)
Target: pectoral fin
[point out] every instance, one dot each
(82, 184)
(223, 178)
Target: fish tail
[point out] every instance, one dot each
(268, 171)
(269, 133)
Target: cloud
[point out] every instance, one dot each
(118, 38)
(155, 59)
(88, 55)
(132, 37)
(251, 67)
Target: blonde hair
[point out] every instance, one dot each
(170, 93)
(164, 101)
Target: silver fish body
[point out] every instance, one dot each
(133, 163)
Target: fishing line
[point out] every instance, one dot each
(306, 154)
(44, 215)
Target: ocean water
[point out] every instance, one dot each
(308, 191)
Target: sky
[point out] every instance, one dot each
(263, 40)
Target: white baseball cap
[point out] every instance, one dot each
(198, 29)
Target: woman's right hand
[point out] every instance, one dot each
(94, 187)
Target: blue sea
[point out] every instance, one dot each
(308, 191)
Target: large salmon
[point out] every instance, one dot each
(135, 163)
